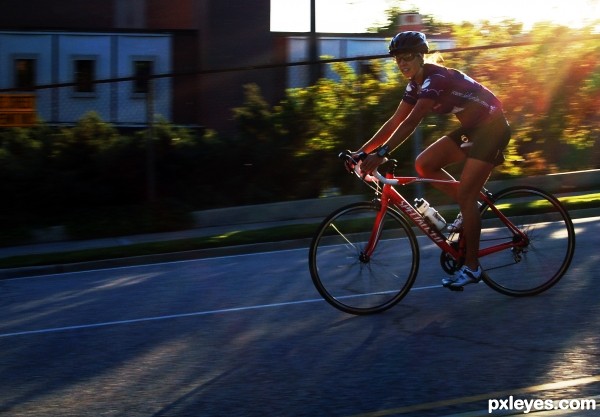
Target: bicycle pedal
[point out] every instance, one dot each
(453, 288)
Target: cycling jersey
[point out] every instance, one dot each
(452, 92)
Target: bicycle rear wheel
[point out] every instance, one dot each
(350, 280)
(537, 262)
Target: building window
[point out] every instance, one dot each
(25, 74)
(142, 70)
(85, 75)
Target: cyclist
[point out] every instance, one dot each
(479, 141)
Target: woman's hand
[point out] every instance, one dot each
(355, 158)
(371, 162)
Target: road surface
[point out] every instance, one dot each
(248, 335)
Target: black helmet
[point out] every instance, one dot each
(409, 42)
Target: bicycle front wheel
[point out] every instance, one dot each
(537, 262)
(350, 279)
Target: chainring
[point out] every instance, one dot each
(449, 264)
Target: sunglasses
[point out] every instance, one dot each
(405, 57)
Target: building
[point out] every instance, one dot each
(33, 58)
(82, 41)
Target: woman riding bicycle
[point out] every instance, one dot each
(479, 142)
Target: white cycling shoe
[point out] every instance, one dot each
(464, 276)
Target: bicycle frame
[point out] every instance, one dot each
(391, 197)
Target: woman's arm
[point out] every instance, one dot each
(388, 128)
(399, 132)
(410, 123)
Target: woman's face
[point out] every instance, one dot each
(408, 63)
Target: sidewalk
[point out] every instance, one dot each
(115, 242)
(123, 241)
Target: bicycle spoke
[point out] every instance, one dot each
(334, 227)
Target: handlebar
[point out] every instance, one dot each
(375, 176)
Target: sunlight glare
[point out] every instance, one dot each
(356, 16)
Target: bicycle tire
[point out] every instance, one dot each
(550, 244)
(352, 282)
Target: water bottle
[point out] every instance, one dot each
(430, 213)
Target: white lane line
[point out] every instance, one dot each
(157, 318)
(174, 316)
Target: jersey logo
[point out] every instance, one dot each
(425, 88)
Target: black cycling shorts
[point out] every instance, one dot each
(486, 141)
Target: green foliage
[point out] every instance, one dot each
(549, 90)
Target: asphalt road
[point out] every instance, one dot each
(248, 335)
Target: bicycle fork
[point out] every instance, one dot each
(367, 252)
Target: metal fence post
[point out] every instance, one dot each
(150, 156)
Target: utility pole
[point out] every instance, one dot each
(313, 53)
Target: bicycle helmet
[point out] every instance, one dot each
(409, 42)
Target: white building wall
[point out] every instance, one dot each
(55, 54)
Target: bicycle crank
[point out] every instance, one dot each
(449, 264)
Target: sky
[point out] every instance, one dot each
(356, 16)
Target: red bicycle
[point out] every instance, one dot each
(364, 257)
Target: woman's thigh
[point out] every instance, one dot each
(438, 155)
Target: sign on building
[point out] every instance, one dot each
(17, 110)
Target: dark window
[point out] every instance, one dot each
(142, 71)
(85, 75)
(25, 74)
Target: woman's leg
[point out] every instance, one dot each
(473, 177)
(434, 158)
(475, 173)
